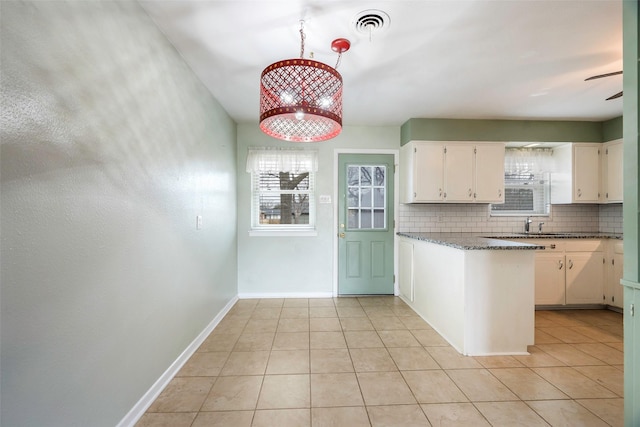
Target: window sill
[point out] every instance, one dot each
(283, 233)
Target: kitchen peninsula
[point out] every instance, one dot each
(477, 292)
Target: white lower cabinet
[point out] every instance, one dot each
(569, 271)
(550, 287)
(614, 291)
(585, 277)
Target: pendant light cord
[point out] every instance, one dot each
(302, 36)
(338, 61)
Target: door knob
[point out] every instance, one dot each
(341, 235)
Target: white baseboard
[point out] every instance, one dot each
(150, 396)
(286, 295)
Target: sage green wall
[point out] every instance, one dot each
(296, 265)
(500, 130)
(612, 129)
(631, 211)
(110, 147)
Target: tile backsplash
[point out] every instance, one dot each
(475, 218)
(611, 218)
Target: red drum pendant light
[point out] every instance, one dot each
(301, 99)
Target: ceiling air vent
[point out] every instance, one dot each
(370, 21)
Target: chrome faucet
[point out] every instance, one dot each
(526, 224)
(540, 224)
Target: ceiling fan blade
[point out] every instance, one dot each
(617, 95)
(599, 76)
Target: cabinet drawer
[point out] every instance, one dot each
(581, 245)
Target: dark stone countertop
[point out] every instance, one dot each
(469, 241)
(491, 241)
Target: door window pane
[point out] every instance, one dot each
(379, 175)
(365, 176)
(378, 218)
(353, 197)
(365, 219)
(378, 197)
(352, 175)
(366, 197)
(353, 222)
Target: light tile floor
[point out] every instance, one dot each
(373, 362)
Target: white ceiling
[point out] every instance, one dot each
(514, 59)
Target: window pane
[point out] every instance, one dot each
(352, 175)
(378, 197)
(380, 175)
(378, 218)
(365, 200)
(284, 209)
(365, 175)
(365, 215)
(516, 199)
(352, 219)
(353, 197)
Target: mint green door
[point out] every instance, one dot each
(365, 224)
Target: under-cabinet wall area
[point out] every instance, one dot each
(475, 218)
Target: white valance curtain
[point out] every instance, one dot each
(281, 160)
(521, 161)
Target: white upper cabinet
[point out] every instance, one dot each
(489, 173)
(458, 173)
(612, 172)
(586, 173)
(576, 176)
(422, 173)
(452, 172)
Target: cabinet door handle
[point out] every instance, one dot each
(570, 264)
(553, 246)
(579, 193)
(560, 265)
(500, 192)
(470, 193)
(439, 192)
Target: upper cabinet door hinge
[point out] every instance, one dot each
(445, 150)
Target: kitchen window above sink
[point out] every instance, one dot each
(527, 184)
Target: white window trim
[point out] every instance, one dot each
(260, 160)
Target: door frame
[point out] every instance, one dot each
(396, 205)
